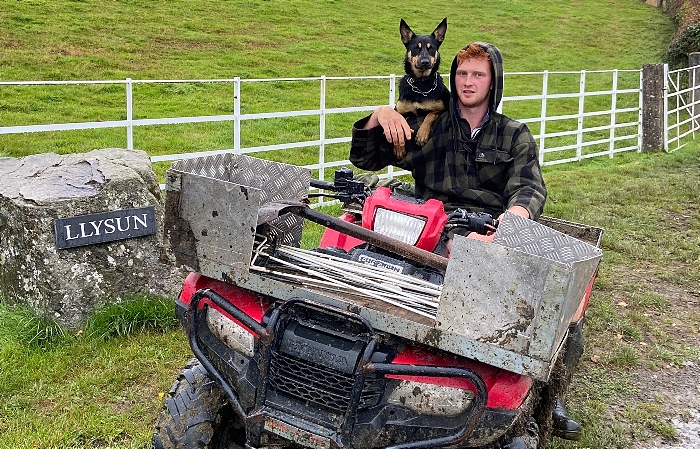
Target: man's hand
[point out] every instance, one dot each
(517, 210)
(484, 238)
(395, 126)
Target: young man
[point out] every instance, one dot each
(475, 159)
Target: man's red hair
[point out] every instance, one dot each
(472, 51)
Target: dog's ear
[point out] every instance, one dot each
(406, 32)
(439, 33)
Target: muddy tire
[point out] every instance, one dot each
(197, 415)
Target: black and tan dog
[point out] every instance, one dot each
(421, 90)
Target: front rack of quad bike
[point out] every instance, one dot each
(507, 304)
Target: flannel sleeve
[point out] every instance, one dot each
(525, 186)
(369, 149)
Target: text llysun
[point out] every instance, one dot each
(104, 227)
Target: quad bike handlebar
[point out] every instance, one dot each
(351, 192)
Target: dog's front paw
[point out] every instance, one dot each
(399, 152)
(422, 136)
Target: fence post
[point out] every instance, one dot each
(129, 115)
(581, 111)
(613, 115)
(543, 115)
(653, 98)
(237, 115)
(694, 83)
(322, 131)
(392, 103)
(639, 118)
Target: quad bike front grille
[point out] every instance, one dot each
(320, 385)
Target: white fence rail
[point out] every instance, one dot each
(573, 115)
(614, 128)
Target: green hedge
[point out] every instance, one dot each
(686, 17)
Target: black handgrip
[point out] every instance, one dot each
(324, 185)
(479, 222)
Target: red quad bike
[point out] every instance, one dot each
(372, 340)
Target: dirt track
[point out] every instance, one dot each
(680, 390)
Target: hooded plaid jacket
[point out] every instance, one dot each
(497, 169)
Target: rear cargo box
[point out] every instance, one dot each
(507, 304)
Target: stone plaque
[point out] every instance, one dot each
(104, 227)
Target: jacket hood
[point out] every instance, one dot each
(497, 63)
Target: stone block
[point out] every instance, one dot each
(653, 76)
(69, 284)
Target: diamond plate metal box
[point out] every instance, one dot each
(507, 304)
(212, 204)
(514, 298)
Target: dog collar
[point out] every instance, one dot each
(418, 91)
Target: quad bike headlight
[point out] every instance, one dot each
(405, 228)
(230, 333)
(431, 399)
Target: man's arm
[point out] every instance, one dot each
(395, 126)
(371, 148)
(525, 188)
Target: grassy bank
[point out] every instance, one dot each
(44, 40)
(92, 40)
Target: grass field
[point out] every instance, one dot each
(102, 388)
(88, 40)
